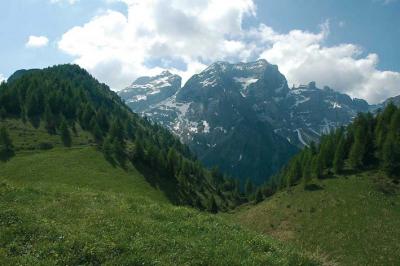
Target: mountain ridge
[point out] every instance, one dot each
(212, 103)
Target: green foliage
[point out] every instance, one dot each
(65, 134)
(212, 205)
(391, 156)
(340, 156)
(249, 187)
(370, 141)
(259, 196)
(67, 101)
(6, 145)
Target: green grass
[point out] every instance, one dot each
(70, 207)
(28, 138)
(350, 221)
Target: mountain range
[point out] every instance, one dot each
(242, 117)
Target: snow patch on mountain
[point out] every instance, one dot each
(245, 83)
(301, 137)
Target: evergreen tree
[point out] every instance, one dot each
(49, 120)
(117, 130)
(118, 148)
(108, 149)
(212, 205)
(391, 156)
(259, 196)
(96, 130)
(6, 145)
(138, 152)
(338, 161)
(316, 170)
(248, 187)
(357, 150)
(217, 176)
(65, 134)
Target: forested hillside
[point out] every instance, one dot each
(340, 198)
(84, 181)
(65, 103)
(369, 142)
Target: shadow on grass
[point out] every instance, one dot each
(160, 181)
(6, 155)
(156, 179)
(313, 187)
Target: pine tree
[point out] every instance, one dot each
(338, 161)
(118, 148)
(357, 150)
(259, 196)
(96, 130)
(49, 120)
(212, 205)
(317, 169)
(65, 134)
(138, 152)
(390, 160)
(6, 145)
(107, 149)
(248, 187)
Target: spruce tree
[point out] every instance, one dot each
(248, 187)
(212, 205)
(65, 134)
(259, 196)
(340, 154)
(316, 170)
(6, 145)
(107, 149)
(357, 150)
(49, 120)
(118, 148)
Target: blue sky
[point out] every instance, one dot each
(351, 46)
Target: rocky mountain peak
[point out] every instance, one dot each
(146, 91)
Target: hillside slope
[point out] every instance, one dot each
(351, 220)
(65, 106)
(71, 207)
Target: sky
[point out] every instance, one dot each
(351, 46)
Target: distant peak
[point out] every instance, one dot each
(166, 73)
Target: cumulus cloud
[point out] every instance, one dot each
(186, 36)
(302, 57)
(37, 41)
(195, 33)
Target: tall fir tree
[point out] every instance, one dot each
(340, 156)
(6, 144)
(65, 134)
(249, 187)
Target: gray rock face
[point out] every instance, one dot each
(146, 91)
(244, 118)
(394, 100)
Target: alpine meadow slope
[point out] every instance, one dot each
(341, 197)
(81, 191)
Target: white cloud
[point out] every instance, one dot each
(302, 57)
(2, 78)
(193, 32)
(157, 34)
(37, 41)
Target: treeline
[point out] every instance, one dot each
(369, 142)
(65, 97)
